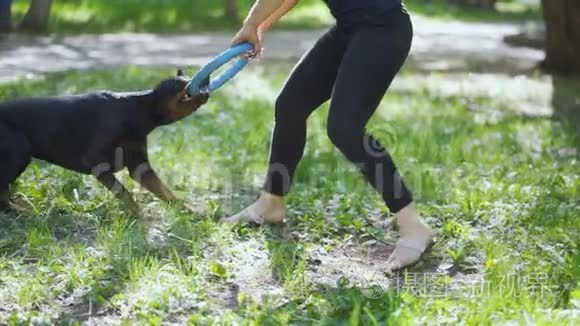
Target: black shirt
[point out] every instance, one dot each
(355, 11)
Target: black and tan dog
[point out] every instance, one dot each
(96, 133)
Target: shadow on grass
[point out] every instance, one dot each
(556, 215)
(566, 104)
(98, 252)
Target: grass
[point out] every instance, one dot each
(501, 193)
(186, 16)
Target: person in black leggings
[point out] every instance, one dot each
(352, 65)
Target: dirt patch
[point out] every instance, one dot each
(224, 296)
(350, 262)
(89, 313)
(530, 96)
(248, 263)
(362, 266)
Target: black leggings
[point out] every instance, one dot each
(353, 66)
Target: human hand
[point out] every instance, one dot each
(249, 33)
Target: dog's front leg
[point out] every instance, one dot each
(4, 198)
(143, 173)
(148, 178)
(116, 187)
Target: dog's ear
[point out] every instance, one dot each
(180, 73)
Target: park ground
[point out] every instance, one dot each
(488, 143)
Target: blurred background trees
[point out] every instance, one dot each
(231, 10)
(561, 40)
(485, 4)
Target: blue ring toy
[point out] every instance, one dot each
(202, 81)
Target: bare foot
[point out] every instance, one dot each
(5, 207)
(10, 207)
(268, 209)
(415, 238)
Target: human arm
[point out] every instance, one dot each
(263, 14)
(275, 17)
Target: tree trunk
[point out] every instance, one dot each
(36, 19)
(231, 10)
(562, 36)
(5, 15)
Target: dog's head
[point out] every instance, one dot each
(172, 102)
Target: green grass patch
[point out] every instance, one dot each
(502, 195)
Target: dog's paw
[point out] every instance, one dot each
(133, 209)
(5, 208)
(189, 208)
(10, 207)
